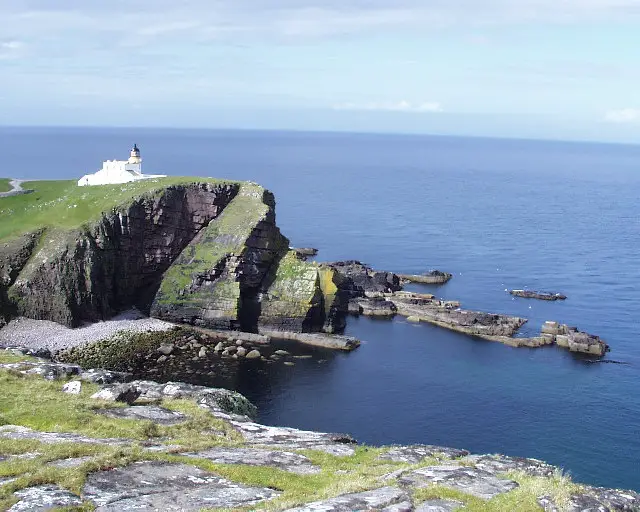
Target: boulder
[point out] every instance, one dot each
(254, 354)
(127, 393)
(166, 349)
(74, 387)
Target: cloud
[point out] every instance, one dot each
(285, 19)
(10, 49)
(624, 115)
(399, 106)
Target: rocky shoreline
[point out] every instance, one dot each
(210, 254)
(167, 475)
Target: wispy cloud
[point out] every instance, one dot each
(289, 18)
(10, 49)
(398, 106)
(623, 115)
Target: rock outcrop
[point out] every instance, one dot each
(573, 339)
(433, 277)
(530, 294)
(239, 273)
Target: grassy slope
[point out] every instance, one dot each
(64, 205)
(36, 403)
(4, 185)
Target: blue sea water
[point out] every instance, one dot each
(498, 214)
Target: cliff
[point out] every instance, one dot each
(208, 253)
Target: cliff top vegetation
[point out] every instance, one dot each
(62, 204)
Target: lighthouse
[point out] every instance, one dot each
(119, 171)
(134, 157)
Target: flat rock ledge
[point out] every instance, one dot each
(285, 461)
(415, 454)
(167, 487)
(474, 481)
(340, 445)
(386, 499)
(155, 414)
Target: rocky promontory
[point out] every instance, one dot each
(206, 253)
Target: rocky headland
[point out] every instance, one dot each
(209, 254)
(165, 281)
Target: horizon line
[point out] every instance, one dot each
(325, 131)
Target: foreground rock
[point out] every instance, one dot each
(340, 445)
(44, 497)
(417, 453)
(285, 461)
(505, 464)
(176, 486)
(155, 414)
(473, 481)
(168, 487)
(384, 499)
(530, 294)
(574, 340)
(17, 433)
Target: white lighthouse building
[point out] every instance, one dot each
(119, 171)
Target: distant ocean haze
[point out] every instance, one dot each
(498, 214)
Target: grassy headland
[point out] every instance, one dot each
(65, 205)
(4, 185)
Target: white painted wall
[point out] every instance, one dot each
(114, 172)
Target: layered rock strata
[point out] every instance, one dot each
(238, 273)
(573, 339)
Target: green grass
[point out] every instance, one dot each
(33, 402)
(4, 185)
(64, 205)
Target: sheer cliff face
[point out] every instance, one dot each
(238, 273)
(203, 254)
(118, 262)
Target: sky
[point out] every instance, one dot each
(555, 69)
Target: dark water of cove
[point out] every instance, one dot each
(498, 214)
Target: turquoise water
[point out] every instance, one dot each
(498, 214)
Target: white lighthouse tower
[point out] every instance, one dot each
(134, 158)
(119, 171)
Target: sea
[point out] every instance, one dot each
(497, 214)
